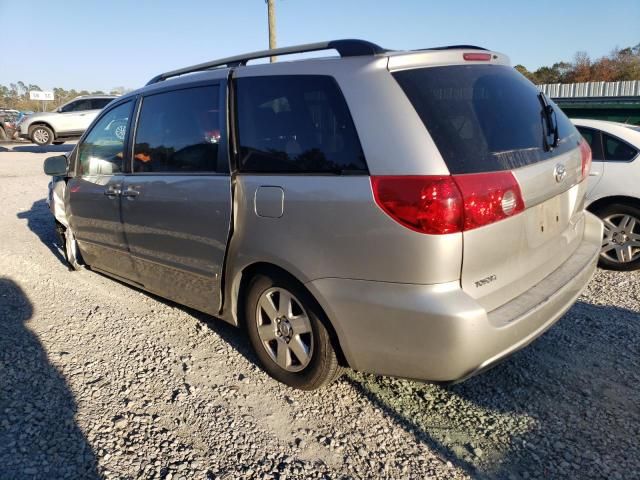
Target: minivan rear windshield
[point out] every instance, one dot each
(483, 118)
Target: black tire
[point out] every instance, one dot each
(611, 214)
(3, 134)
(58, 142)
(323, 367)
(41, 135)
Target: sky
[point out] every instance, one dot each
(99, 45)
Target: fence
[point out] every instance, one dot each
(629, 88)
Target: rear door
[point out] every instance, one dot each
(489, 120)
(176, 203)
(75, 117)
(93, 194)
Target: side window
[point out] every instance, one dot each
(77, 106)
(99, 103)
(70, 107)
(83, 105)
(617, 150)
(594, 139)
(102, 150)
(179, 131)
(296, 124)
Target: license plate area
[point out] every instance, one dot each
(551, 218)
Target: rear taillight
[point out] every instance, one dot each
(447, 204)
(425, 204)
(585, 153)
(489, 197)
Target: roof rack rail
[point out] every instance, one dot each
(346, 48)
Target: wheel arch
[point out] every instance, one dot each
(604, 201)
(42, 122)
(239, 290)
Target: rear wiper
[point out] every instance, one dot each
(550, 122)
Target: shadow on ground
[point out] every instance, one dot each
(38, 434)
(567, 404)
(40, 221)
(43, 149)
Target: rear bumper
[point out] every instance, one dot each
(439, 333)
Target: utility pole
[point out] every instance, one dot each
(271, 11)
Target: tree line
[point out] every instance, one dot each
(16, 96)
(620, 64)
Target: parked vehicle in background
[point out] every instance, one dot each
(614, 189)
(7, 125)
(68, 121)
(404, 213)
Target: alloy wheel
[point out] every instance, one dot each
(40, 136)
(621, 241)
(284, 329)
(120, 132)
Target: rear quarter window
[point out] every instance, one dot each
(594, 139)
(616, 150)
(295, 124)
(483, 117)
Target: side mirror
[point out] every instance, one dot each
(56, 166)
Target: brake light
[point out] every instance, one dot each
(585, 153)
(475, 57)
(448, 204)
(424, 204)
(489, 197)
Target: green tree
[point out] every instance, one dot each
(523, 70)
(547, 75)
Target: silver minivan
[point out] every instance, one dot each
(409, 213)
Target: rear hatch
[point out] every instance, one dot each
(519, 164)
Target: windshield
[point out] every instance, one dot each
(484, 117)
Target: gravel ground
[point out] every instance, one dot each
(100, 380)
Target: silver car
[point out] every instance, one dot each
(408, 213)
(614, 191)
(67, 121)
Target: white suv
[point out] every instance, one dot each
(68, 121)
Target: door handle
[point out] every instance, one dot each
(594, 174)
(130, 193)
(112, 191)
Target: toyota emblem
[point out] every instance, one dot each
(560, 172)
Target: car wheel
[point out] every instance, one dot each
(58, 142)
(621, 240)
(41, 135)
(287, 330)
(120, 131)
(3, 134)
